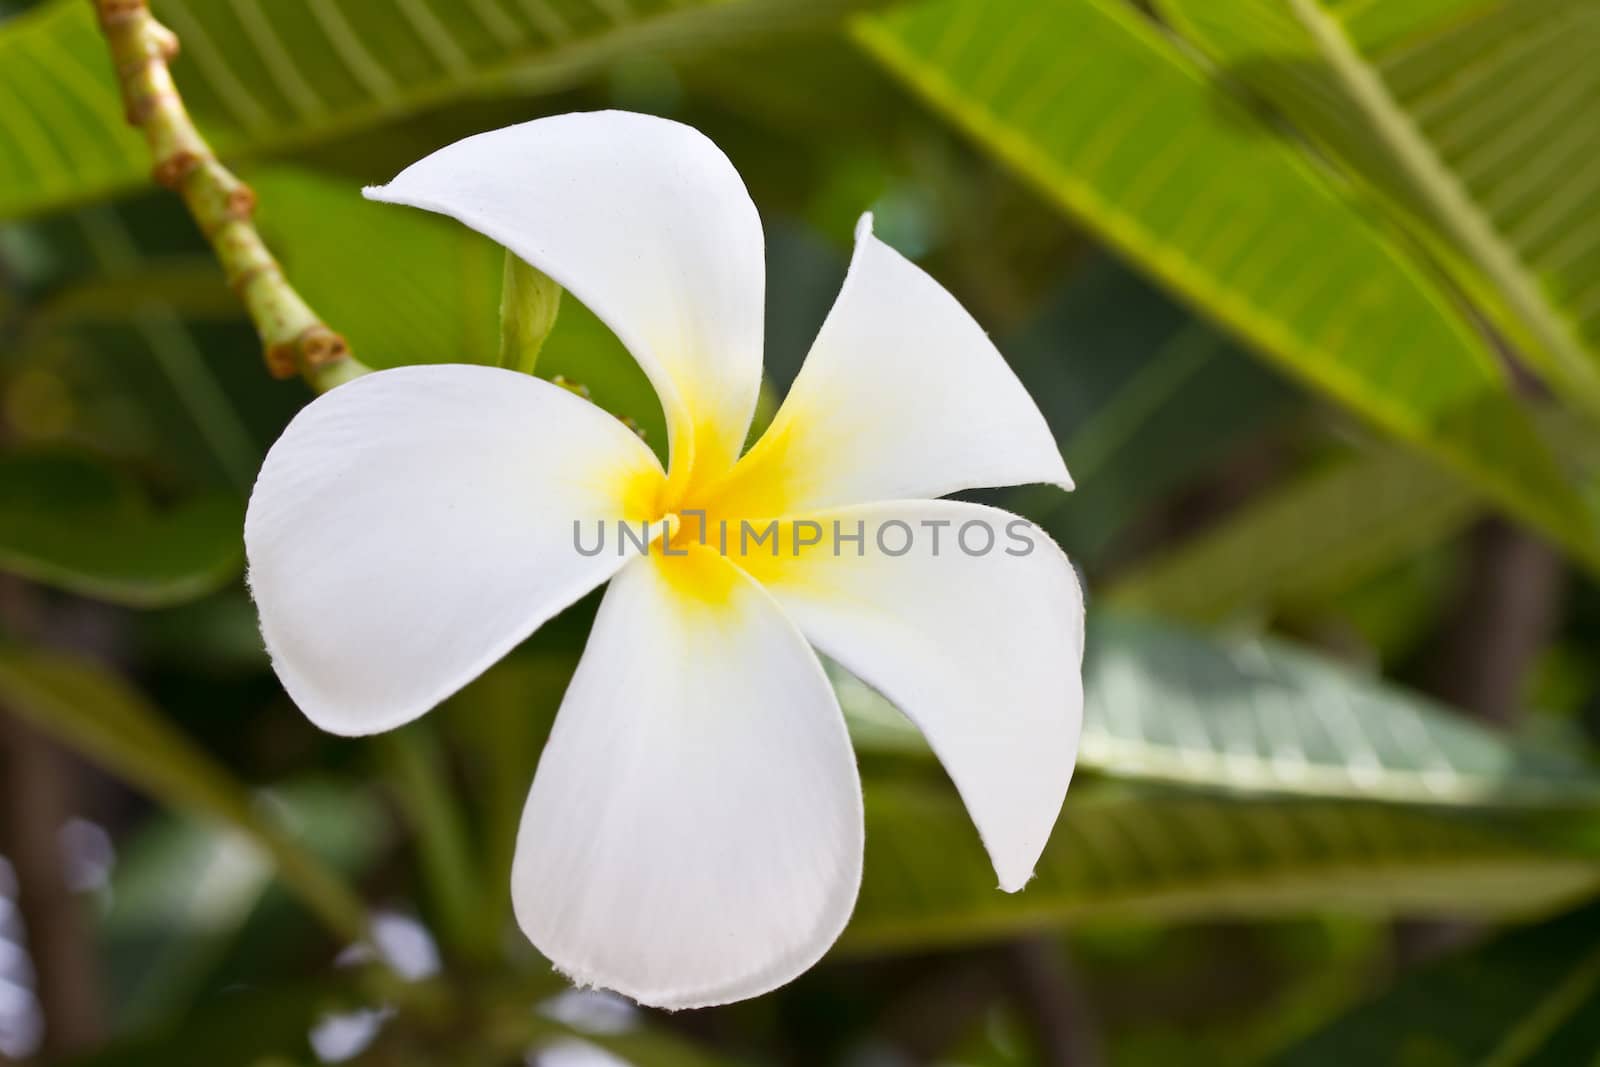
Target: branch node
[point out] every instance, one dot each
(294, 339)
(171, 171)
(281, 360)
(162, 41)
(114, 13)
(148, 42)
(240, 203)
(319, 346)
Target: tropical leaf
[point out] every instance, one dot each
(1318, 535)
(1344, 523)
(1141, 395)
(142, 377)
(1526, 999)
(247, 1025)
(1165, 705)
(95, 713)
(1119, 855)
(1498, 96)
(241, 1027)
(69, 522)
(272, 77)
(185, 890)
(406, 286)
(1089, 101)
(639, 1046)
(192, 287)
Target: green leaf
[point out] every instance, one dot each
(95, 713)
(180, 891)
(1164, 705)
(68, 522)
(1088, 101)
(175, 351)
(407, 287)
(184, 891)
(1143, 398)
(143, 381)
(1525, 999)
(238, 1028)
(192, 287)
(482, 1022)
(655, 1047)
(1471, 118)
(1345, 523)
(280, 76)
(1305, 541)
(403, 285)
(1120, 855)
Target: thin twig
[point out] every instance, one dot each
(39, 787)
(1487, 643)
(1508, 607)
(296, 340)
(1051, 1000)
(36, 786)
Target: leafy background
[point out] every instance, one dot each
(1310, 294)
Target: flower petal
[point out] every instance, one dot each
(903, 396)
(412, 526)
(694, 832)
(645, 221)
(983, 652)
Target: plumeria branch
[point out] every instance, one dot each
(296, 340)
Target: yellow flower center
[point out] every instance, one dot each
(740, 516)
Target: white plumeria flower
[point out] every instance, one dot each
(694, 831)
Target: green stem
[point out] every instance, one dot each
(322, 891)
(529, 303)
(1558, 1005)
(1462, 219)
(296, 340)
(415, 767)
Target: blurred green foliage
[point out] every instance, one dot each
(1309, 403)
